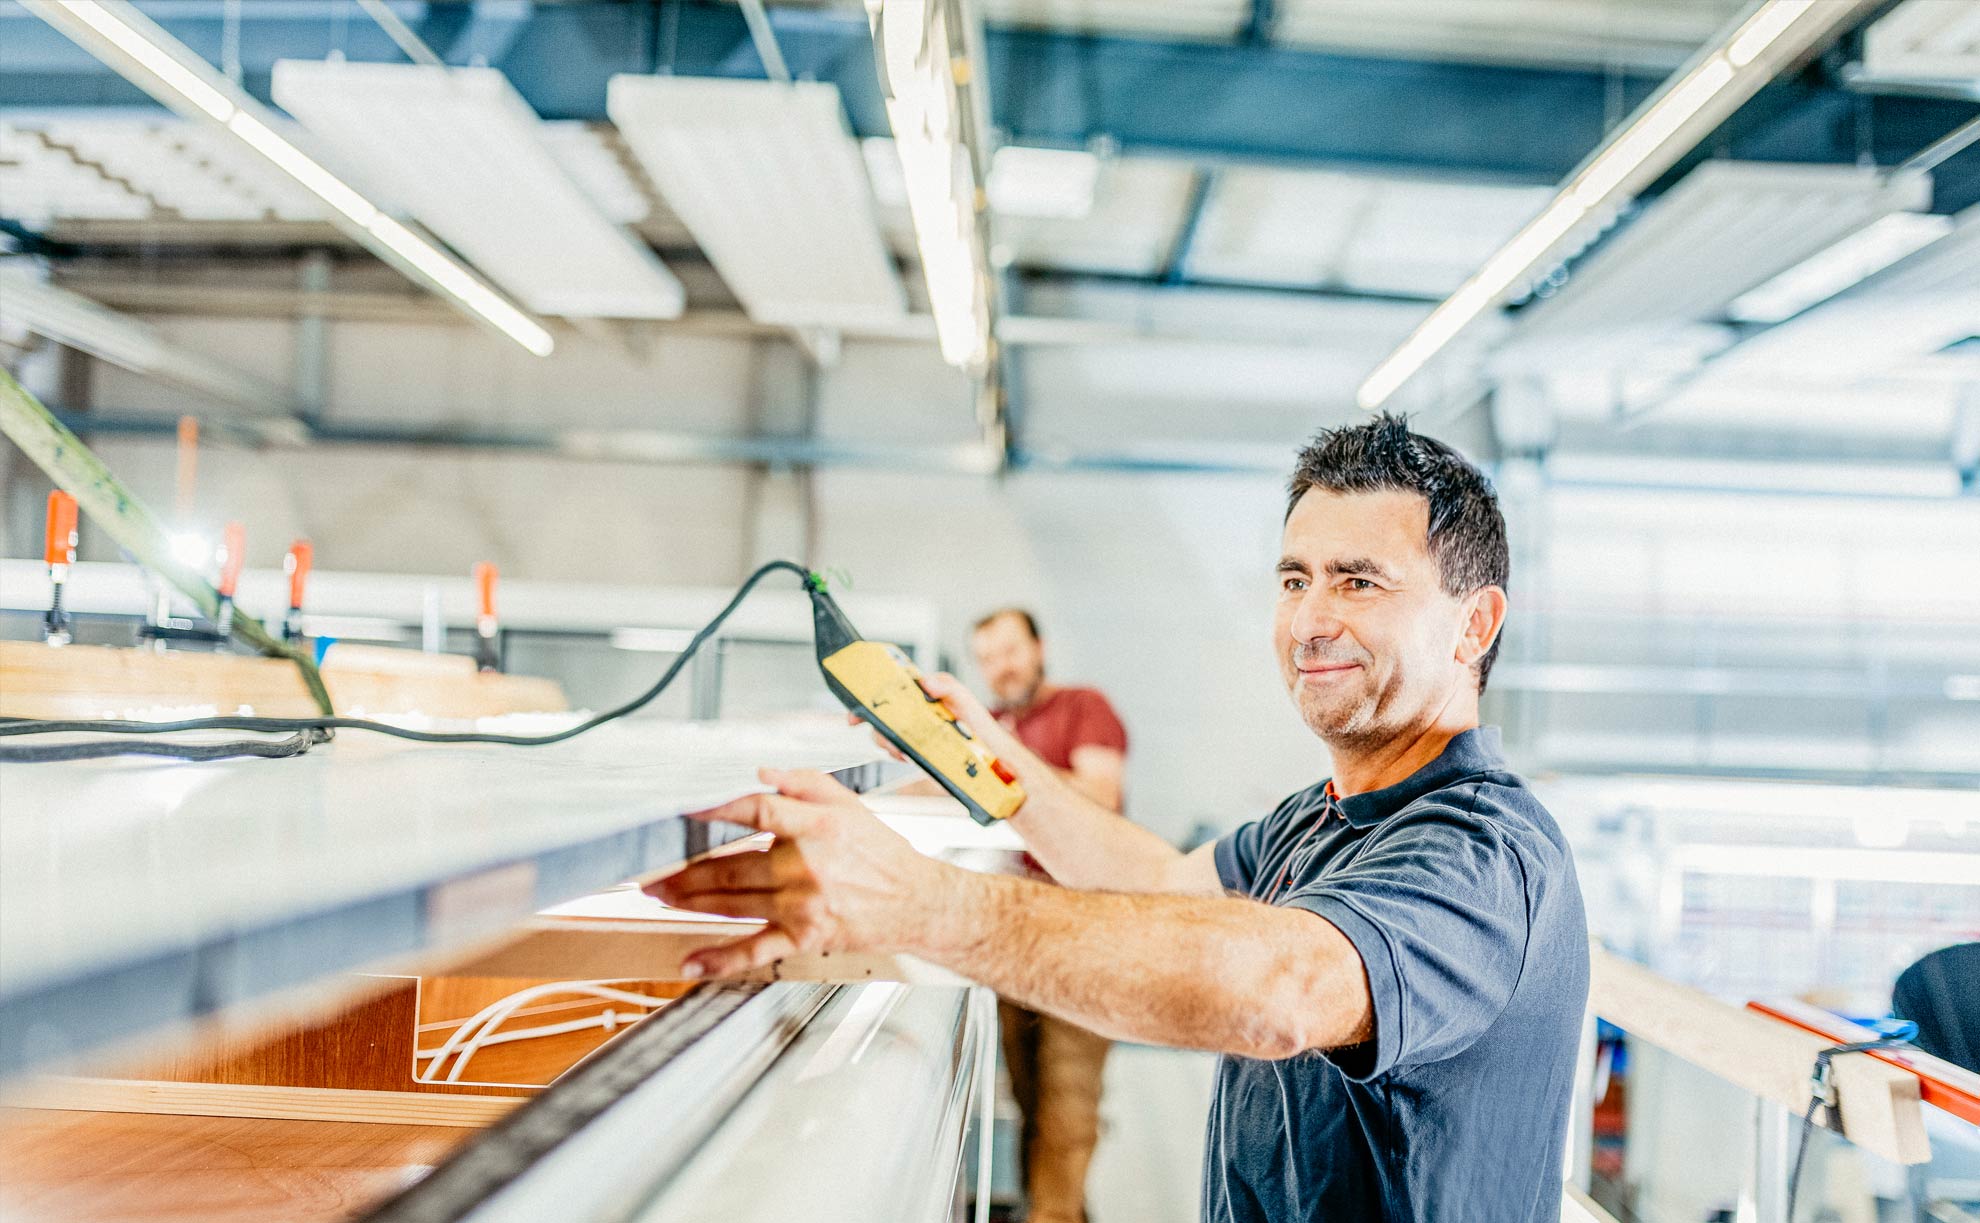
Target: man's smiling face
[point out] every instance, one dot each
(1365, 635)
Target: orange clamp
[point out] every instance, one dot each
(233, 543)
(296, 564)
(484, 582)
(61, 548)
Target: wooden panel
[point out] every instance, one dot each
(127, 1168)
(1880, 1103)
(75, 681)
(368, 1047)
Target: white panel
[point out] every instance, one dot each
(1138, 207)
(590, 156)
(771, 184)
(1279, 227)
(1427, 237)
(1368, 232)
(138, 167)
(1639, 33)
(1925, 40)
(1725, 228)
(463, 151)
(1892, 326)
(1212, 19)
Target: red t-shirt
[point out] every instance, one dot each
(1067, 719)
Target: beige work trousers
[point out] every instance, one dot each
(1055, 1072)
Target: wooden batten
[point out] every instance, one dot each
(1880, 1104)
(79, 681)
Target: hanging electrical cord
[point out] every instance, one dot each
(304, 733)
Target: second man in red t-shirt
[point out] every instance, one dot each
(1055, 1067)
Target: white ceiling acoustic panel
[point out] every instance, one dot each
(105, 167)
(1725, 228)
(465, 155)
(769, 181)
(1365, 232)
(1139, 205)
(589, 154)
(1220, 20)
(1637, 33)
(1896, 325)
(1925, 42)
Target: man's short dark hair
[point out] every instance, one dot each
(1467, 532)
(1030, 621)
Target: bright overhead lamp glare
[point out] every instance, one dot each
(144, 54)
(1712, 88)
(1828, 272)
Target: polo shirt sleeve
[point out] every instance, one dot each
(1237, 856)
(1436, 906)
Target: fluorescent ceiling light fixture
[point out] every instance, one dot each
(118, 34)
(1055, 184)
(926, 110)
(1828, 272)
(1709, 90)
(463, 152)
(770, 182)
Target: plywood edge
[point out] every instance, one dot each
(234, 1100)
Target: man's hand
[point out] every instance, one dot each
(835, 878)
(1036, 776)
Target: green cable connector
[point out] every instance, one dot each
(76, 470)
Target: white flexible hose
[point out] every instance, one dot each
(479, 1029)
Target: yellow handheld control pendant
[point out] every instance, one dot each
(878, 683)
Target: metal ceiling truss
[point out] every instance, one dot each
(1203, 101)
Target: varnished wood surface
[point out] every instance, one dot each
(367, 1047)
(66, 1094)
(60, 1167)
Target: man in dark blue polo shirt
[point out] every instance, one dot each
(1394, 963)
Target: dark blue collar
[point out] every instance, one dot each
(1473, 752)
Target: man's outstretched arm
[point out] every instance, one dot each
(1213, 973)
